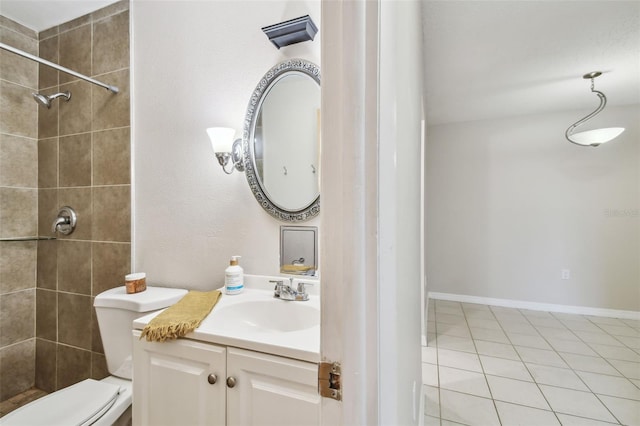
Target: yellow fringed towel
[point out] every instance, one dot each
(182, 318)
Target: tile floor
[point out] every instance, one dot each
(488, 365)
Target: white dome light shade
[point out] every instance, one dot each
(597, 136)
(221, 138)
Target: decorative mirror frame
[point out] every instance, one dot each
(257, 97)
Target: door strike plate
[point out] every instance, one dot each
(329, 385)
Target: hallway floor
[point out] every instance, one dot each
(488, 365)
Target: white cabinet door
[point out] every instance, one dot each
(171, 383)
(271, 390)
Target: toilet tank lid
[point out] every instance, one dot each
(153, 298)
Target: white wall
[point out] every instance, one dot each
(510, 203)
(195, 64)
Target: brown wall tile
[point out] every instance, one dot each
(74, 365)
(18, 113)
(74, 267)
(17, 317)
(80, 199)
(46, 365)
(48, 76)
(47, 276)
(13, 25)
(112, 157)
(46, 314)
(47, 210)
(18, 161)
(48, 163)
(18, 212)
(111, 262)
(112, 110)
(17, 266)
(74, 320)
(99, 368)
(17, 368)
(75, 160)
(111, 43)
(96, 337)
(48, 117)
(16, 68)
(112, 213)
(75, 52)
(75, 115)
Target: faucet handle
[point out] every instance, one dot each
(302, 286)
(278, 288)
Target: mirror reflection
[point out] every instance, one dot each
(281, 141)
(287, 141)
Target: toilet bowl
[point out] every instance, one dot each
(103, 402)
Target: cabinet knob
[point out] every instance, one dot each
(212, 379)
(231, 381)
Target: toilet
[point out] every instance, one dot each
(103, 402)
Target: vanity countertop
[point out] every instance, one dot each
(257, 321)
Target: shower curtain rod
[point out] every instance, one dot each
(113, 89)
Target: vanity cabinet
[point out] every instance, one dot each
(186, 382)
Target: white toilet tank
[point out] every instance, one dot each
(116, 310)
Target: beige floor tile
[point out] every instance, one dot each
(589, 363)
(610, 385)
(489, 335)
(429, 355)
(600, 337)
(429, 374)
(499, 350)
(460, 360)
(431, 401)
(463, 381)
(626, 411)
(568, 420)
(518, 327)
(540, 356)
(484, 323)
(615, 352)
(456, 343)
(517, 392)
(467, 409)
(555, 376)
(557, 333)
(457, 330)
(512, 414)
(527, 340)
(505, 368)
(431, 421)
(571, 346)
(620, 330)
(576, 403)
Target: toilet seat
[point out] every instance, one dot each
(81, 404)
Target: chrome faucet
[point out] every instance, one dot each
(286, 292)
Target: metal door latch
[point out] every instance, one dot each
(329, 385)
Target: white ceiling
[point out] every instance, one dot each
(487, 59)
(41, 15)
(490, 59)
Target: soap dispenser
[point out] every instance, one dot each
(233, 277)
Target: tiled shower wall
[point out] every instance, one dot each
(81, 158)
(18, 209)
(83, 162)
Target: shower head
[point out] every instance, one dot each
(45, 100)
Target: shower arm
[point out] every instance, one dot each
(113, 89)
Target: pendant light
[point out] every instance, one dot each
(597, 136)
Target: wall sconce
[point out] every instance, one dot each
(597, 136)
(226, 148)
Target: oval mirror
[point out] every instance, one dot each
(281, 141)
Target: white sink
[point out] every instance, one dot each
(271, 315)
(257, 321)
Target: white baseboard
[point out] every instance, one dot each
(535, 306)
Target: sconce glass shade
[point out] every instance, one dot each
(221, 138)
(597, 136)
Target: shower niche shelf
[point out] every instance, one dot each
(27, 238)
